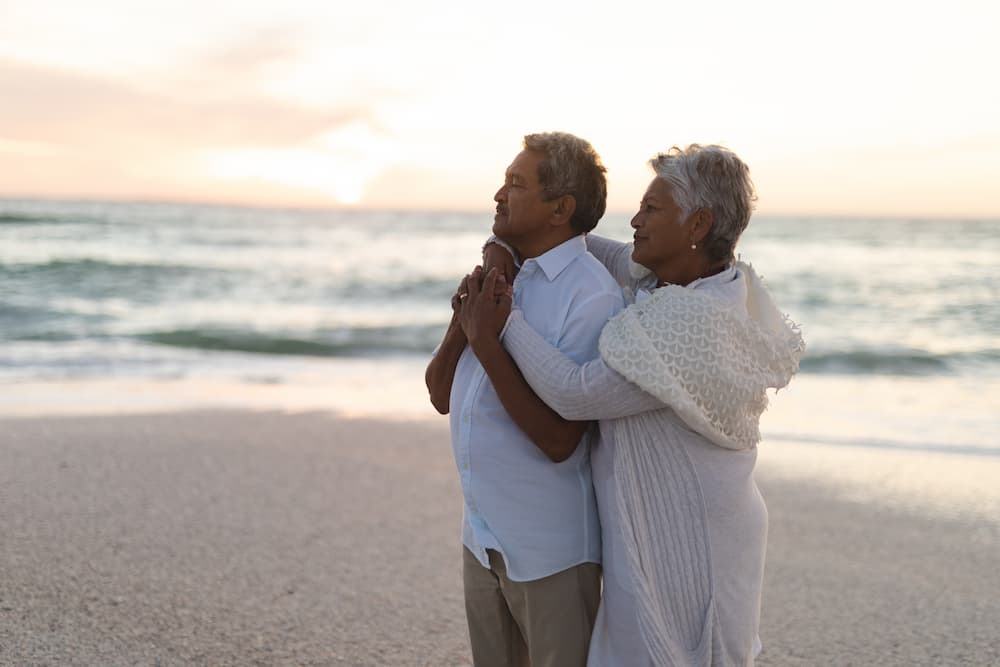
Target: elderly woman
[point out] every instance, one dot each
(679, 389)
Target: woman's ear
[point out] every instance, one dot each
(701, 224)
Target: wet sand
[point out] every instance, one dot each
(267, 538)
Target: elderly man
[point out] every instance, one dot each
(530, 529)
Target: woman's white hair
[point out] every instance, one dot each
(710, 177)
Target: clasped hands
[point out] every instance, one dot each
(481, 306)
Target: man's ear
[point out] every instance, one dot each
(563, 209)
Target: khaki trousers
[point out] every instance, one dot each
(542, 623)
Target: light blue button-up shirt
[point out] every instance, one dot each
(540, 515)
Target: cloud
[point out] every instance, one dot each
(59, 107)
(251, 54)
(74, 133)
(32, 148)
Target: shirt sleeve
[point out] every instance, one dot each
(581, 331)
(615, 256)
(576, 391)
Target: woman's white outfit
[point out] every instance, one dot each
(678, 389)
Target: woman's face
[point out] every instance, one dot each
(661, 235)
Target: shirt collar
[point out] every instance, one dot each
(553, 261)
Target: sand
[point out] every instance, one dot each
(267, 538)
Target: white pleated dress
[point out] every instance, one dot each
(719, 485)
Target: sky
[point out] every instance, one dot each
(872, 107)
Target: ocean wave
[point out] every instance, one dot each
(46, 283)
(67, 275)
(49, 219)
(21, 323)
(336, 343)
(185, 281)
(908, 362)
(401, 288)
(885, 443)
(421, 339)
(91, 266)
(48, 337)
(22, 219)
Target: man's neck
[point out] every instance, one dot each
(529, 248)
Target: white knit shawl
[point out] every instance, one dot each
(711, 365)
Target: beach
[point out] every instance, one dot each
(276, 537)
(216, 446)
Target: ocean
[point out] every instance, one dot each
(150, 291)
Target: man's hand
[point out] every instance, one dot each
(483, 311)
(441, 370)
(482, 314)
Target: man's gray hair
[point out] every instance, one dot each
(710, 177)
(571, 166)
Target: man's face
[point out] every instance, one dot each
(522, 213)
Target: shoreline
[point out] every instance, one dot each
(929, 444)
(235, 537)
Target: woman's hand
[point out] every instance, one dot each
(483, 312)
(460, 294)
(495, 255)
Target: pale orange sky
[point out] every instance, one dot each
(880, 108)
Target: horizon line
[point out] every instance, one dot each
(349, 208)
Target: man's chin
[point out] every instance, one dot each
(499, 225)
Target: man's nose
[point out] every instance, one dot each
(500, 194)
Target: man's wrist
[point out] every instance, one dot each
(455, 328)
(485, 346)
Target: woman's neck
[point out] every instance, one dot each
(685, 275)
